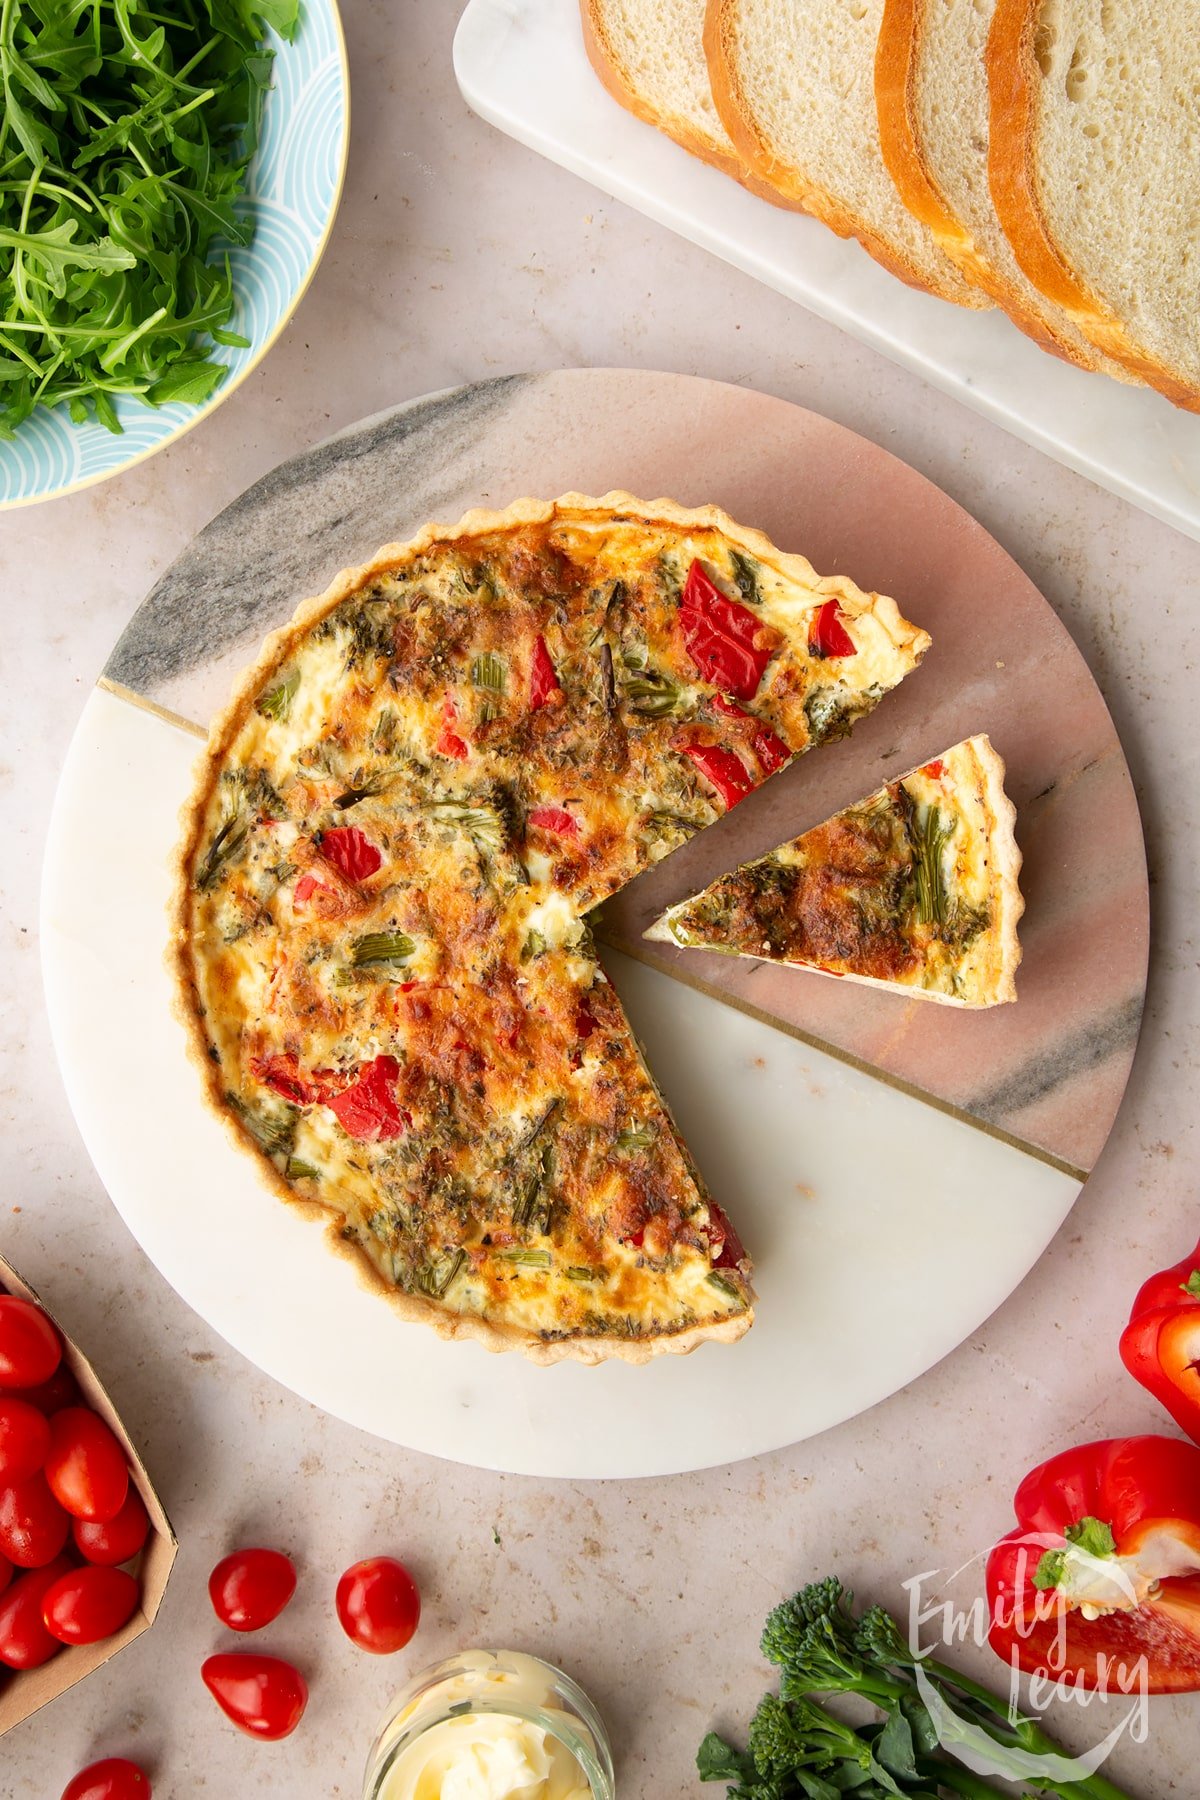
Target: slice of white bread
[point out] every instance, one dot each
(1094, 138)
(650, 56)
(931, 92)
(794, 83)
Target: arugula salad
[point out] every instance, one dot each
(126, 129)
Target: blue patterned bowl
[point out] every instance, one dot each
(293, 187)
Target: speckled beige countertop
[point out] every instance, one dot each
(458, 255)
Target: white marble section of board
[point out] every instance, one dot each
(521, 65)
(884, 1231)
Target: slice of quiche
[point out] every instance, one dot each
(400, 823)
(914, 889)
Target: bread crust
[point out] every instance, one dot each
(275, 652)
(1013, 87)
(896, 62)
(796, 189)
(601, 53)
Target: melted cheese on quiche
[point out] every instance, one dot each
(421, 794)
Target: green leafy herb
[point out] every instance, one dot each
(125, 135)
(828, 713)
(797, 1747)
(277, 702)
(274, 1133)
(724, 1284)
(745, 573)
(928, 835)
(534, 945)
(382, 948)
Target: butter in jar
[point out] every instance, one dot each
(491, 1725)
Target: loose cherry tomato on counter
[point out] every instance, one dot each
(33, 1526)
(30, 1350)
(113, 1779)
(249, 1588)
(51, 1396)
(112, 1541)
(85, 1465)
(262, 1695)
(24, 1641)
(378, 1604)
(85, 1605)
(24, 1439)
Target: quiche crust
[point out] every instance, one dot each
(896, 647)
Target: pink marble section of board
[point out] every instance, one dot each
(1050, 1070)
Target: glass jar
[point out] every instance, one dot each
(485, 1717)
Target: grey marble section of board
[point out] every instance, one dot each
(287, 536)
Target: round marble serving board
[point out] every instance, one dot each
(879, 1150)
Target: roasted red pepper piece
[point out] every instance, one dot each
(724, 1244)
(827, 636)
(448, 741)
(769, 748)
(935, 769)
(1160, 1346)
(544, 689)
(729, 646)
(723, 769)
(351, 852)
(555, 819)
(282, 1074)
(1114, 1527)
(367, 1109)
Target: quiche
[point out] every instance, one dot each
(913, 889)
(400, 824)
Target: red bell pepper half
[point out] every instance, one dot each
(827, 636)
(1099, 1585)
(729, 646)
(726, 772)
(1160, 1346)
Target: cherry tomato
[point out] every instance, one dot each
(378, 1605)
(33, 1526)
(113, 1779)
(251, 1587)
(24, 1439)
(51, 1396)
(263, 1695)
(24, 1641)
(85, 1465)
(30, 1350)
(85, 1605)
(114, 1540)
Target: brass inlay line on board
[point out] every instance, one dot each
(151, 706)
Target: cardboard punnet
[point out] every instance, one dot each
(21, 1693)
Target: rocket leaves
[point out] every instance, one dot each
(125, 135)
